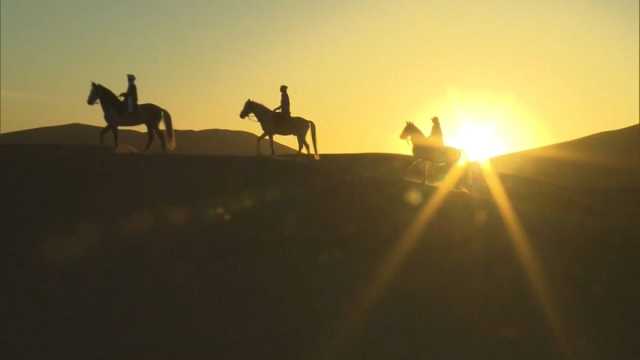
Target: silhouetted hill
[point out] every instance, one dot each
(175, 256)
(604, 160)
(209, 142)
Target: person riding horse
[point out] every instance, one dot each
(115, 115)
(435, 139)
(131, 96)
(272, 124)
(430, 150)
(285, 109)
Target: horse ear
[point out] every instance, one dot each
(93, 84)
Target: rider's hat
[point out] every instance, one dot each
(283, 87)
(435, 119)
(131, 77)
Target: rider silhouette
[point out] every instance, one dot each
(436, 139)
(284, 103)
(131, 96)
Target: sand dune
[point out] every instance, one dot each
(603, 160)
(210, 142)
(192, 256)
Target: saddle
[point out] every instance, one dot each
(125, 114)
(436, 154)
(282, 121)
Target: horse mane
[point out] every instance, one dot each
(414, 127)
(111, 97)
(260, 105)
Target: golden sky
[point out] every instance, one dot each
(525, 73)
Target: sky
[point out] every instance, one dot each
(519, 73)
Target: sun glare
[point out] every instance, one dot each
(478, 141)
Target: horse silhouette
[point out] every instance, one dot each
(115, 114)
(274, 123)
(426, 152)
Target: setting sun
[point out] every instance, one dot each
(478, 141)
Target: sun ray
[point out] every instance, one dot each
(478, 140)
(526, 255)
(375, 289)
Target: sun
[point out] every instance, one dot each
(478, 140)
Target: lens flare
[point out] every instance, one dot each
(526, 255)
(371, 294)
(479, 141)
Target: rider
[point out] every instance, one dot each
(284, 103)
(435, 139)
(131, 96)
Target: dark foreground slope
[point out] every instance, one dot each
(203, 142)
(129, 256)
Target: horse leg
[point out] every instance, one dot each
(427, 167)
(468, 178)
(306, 146)
(150, 132)
(304, 139)
(114, 130)
(273, 151)
(160, 135)
(412, 165)
(258, 152)
(299, 145)
(102, 132)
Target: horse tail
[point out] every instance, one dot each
(166, 117)
(313, 137)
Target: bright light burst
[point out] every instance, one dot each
(378, 284)
(527, 256)
(480, 141)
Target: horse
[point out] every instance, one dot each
(424, 151)
(115, 114)
(273, 123)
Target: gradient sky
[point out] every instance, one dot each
(534, 72)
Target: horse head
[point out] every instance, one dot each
(408, 131)
(93, 94)
(247, 109)
(106, 97)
